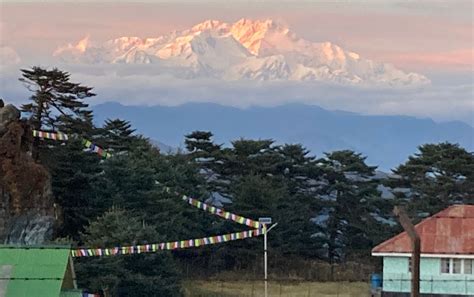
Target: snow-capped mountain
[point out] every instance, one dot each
(246, 49)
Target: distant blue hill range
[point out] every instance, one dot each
(387, 141)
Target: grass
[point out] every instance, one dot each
(275, 289)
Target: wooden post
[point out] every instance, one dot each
(416, 249)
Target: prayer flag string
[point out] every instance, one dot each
(172, 245)
(147, 248)
(63, 137)
(96, 149)
(221, 213)
(50, 135)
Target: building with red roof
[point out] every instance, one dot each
(447, 256)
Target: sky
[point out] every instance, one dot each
(434, 38)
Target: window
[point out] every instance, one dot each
(409, 265)
(445, 265)
(457, 266)
(468, 266)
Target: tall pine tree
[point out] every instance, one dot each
(56, 104)
(347, 193)
(54, 96)
(439, 175)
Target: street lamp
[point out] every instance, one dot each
(265, 222)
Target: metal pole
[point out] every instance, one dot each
(265, 258)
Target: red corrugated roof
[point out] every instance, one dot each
(450, 231)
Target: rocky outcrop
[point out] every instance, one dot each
(8, 114)
(30, 228)
(26, 204)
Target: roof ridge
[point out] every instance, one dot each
(30, 247)
(446, 213)
(388, 241)
(450, 226)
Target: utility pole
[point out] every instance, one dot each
(265, 222)
(416, 249)
(265, 259)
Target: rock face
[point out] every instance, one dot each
(8, 114)
(26, 204)
(30, 228)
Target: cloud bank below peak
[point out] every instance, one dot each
(139, 85)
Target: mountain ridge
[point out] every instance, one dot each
(386, 140)
(246, 49)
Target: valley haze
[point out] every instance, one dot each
(387, 141)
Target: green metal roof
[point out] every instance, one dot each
(33, 271)
(71, 293)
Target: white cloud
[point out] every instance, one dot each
(79, 47)
(134, 86)
(8, 56)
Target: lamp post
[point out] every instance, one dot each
(265, 222)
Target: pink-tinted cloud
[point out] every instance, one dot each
(8, 56)
(462, 59)
(80, 47)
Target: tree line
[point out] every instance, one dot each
(328, 208)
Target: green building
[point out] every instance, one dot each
(37, 272)
(447, 256)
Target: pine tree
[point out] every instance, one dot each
(117, 135)
(56, 104)
(252, 157)
(200, 142)
(127, 275)
(346, 216)
(82, 124)
(209, 157)
(54, 96)
(294, 211)
(74, 174)
(439, 175)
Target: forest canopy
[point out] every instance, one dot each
(329, 208)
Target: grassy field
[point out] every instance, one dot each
(276, 289)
